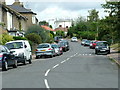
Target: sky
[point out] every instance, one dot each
(70, 9)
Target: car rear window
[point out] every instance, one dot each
(102, 44)
(43, 46)
(14, 45)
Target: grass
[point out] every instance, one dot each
(116, 47)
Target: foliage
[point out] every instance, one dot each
(39, 31)
(43, 23)
(6, 38)
(60, 33)
(34, 38)
(19, 38)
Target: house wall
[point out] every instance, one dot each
(64, 24)
(0, 13)
(29, 21)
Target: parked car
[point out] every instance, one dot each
(83, 41)
(57, 38)
(102, 47)
(65, 45)
(93, 44)
(57, 49)
(44, 49)
(21, 49)
(74, 39)
(7, 58)
(87, 43)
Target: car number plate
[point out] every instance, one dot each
(102, 50)
(43, 50)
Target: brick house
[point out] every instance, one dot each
(12, 21)
(19, 7)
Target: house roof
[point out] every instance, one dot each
(12, 10)
(21, 9)
(47, 28)
(62, 29)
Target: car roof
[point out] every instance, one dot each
(16, 41)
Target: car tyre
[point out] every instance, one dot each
(5, 66)
(25, 61)
(15, 64)
(30, 60)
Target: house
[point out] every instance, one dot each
(19, 7)
(62, 24)
(12, 21)
(47, 28)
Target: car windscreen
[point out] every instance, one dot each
(102, 44)
(55, 46)
(14, 45)
(43, 46)
(74, 38)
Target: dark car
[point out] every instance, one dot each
(57, 38)
(102, 47)
(65, 45)
(7, 58)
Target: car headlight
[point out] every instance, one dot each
(96, 47)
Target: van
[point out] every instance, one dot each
(21, 49)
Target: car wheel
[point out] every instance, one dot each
(25, 61)
(37, 57)
(5, 66)
(30, 60)
(15, 64)
(51, 56)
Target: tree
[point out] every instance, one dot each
(113, 8)
(44, 23)
(35, 38)
(40, 31)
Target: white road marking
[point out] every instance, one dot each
(46, 84)
(86, 54)
(68, 58)
(71, 56)
(90, 54)
(55, 66)
(63, 61)
(83, 54)
(47, 72)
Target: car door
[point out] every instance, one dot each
(9, 57)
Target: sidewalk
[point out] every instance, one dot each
(114, 55)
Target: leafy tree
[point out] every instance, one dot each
(60, 33)
(40, 31)
(43, 23)
(34, 38)
(6, 38)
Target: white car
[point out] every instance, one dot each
(21, 49)
(57, 49)
(74, 39)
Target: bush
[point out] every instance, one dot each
(34, 38)
(6, 38)
(19, 38)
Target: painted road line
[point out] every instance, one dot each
(71, 56)
(55, 66)
(47, 72)
(68, 58)
(63, 61)
(90, 54)
(46, 84)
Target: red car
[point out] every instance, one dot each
(93, 44)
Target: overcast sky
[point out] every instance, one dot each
(51, 9)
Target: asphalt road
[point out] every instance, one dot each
(77, 68)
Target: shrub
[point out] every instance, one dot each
(6, 38)
(34, 38)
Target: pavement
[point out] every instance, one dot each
(114, 55)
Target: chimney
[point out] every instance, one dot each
(18, 3)
(3, 2)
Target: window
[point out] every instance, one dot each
(9, 20)
(60, 25)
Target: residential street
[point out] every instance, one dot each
(77, 68)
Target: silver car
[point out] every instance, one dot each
(44, 49)
(57, 49)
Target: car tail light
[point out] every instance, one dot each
(1, 57)
(61, 49)
(94, 44)
(36, 50)
(50, 49)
